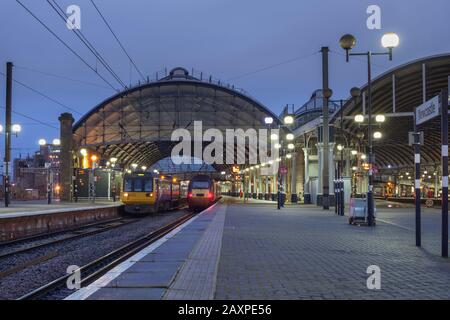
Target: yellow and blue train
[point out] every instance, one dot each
(145, 193)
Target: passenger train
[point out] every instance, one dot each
(202, 192)
(145, 193)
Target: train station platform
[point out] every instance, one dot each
(254, 251)
(29, 218)
(36, 207)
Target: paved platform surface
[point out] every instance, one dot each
(181, 265)
(308, 253)
(254, 251)
(33, 207)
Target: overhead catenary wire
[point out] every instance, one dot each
(79, 57)
(272, 66)
(32, 119)
(60, 12)
(66, 45)
(117, 39)
(61, 77)
(44, 95)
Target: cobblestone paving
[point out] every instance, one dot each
(306, 253)
(403, 215)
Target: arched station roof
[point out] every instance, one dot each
(135, 126)
(393, 149)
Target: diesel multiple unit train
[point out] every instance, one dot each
(202, 192)
(146, 193)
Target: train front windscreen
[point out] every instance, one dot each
(201, 188)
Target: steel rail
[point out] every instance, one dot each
(73, 237)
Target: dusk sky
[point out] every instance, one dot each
(230, 40)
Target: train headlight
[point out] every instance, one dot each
(151, 194)
(125, 195)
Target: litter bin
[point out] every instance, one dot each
(358, 211)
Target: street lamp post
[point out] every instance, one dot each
(327, 93)
(355, 93)
(279, 146)
(113, 161)
(275, 137)
(288, 121)
(49, 174)
(348, 42)
(93, 179)
(14, 129)
(9, 67)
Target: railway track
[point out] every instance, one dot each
(61, 236)
(95, 269)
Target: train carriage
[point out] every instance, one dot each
(145, 193)
(202, 192)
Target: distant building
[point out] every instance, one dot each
(31, 175)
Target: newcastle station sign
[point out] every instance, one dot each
(427, 110)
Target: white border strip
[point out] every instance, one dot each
(417, 158)
(417, 184)
(103, 281)
(445, 182)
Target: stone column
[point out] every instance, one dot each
(260, 189)
(331, 170)
(347, 160)
(306, 188)
(274, 186)
(319, 173)
(294, 198)
(249, 184)
(66, 166)
(254, 195)
(267, 196)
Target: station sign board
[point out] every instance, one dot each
(411, 138)
(427, 111)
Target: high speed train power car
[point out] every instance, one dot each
(145, 193)
(202, 192)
